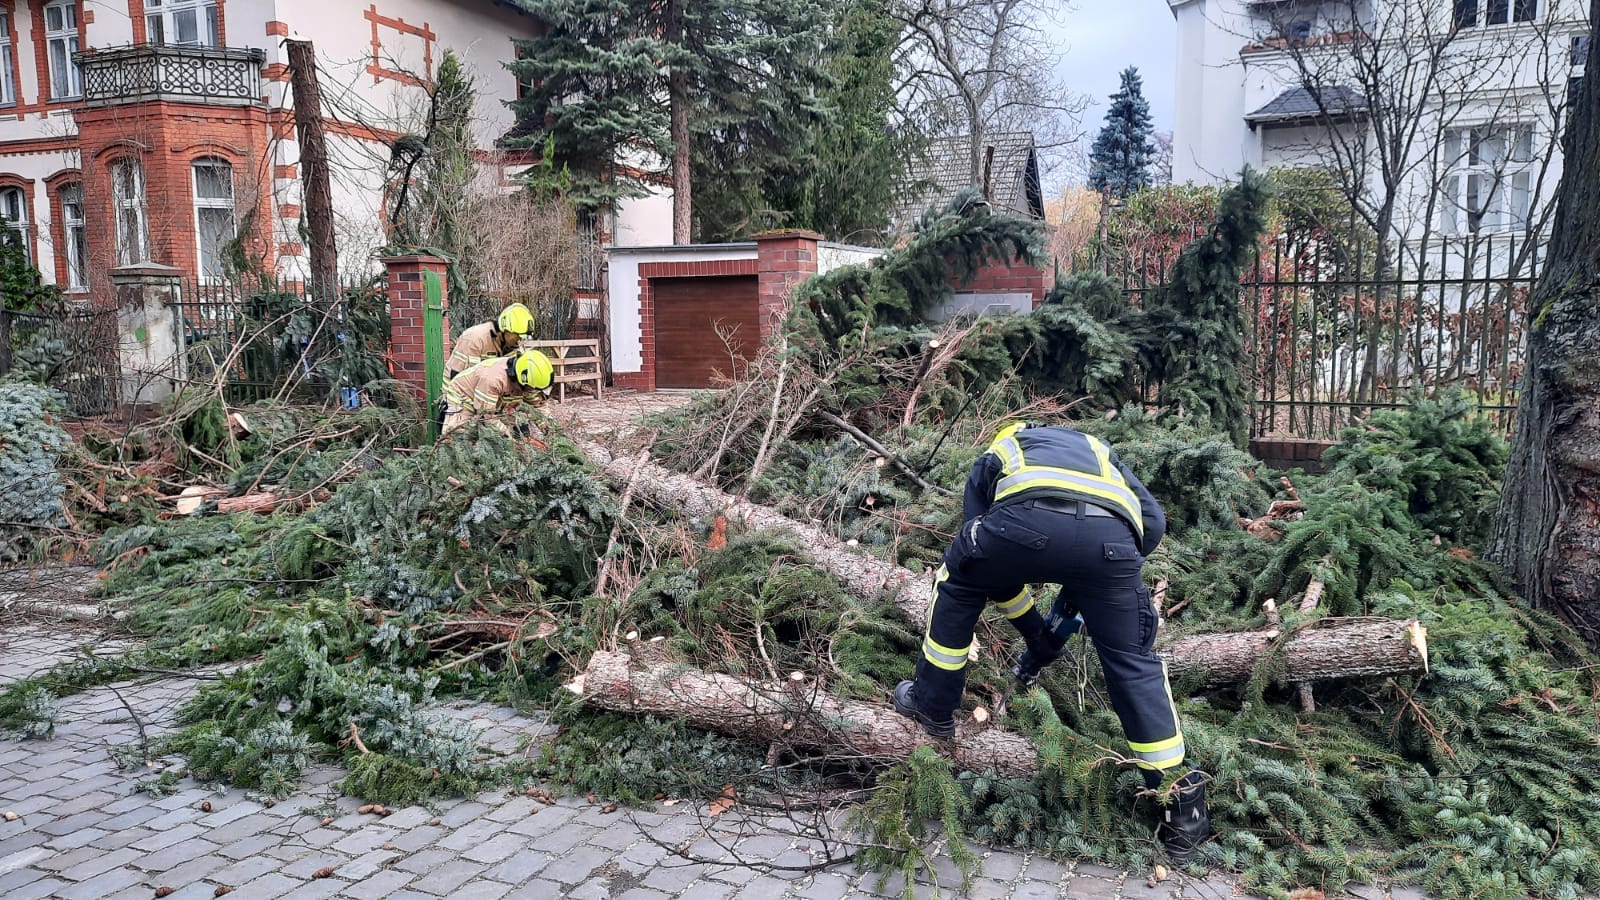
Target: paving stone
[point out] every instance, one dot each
(163, 839)
(564, 839)
(230, 813)
(643, 894)
(988, 889)
(763, 888)
(823, 886)
(417, 838)
(537, 889)
(471, 835)
(1041, 869)
(33, 890)
(596, 889)
(644, 854)
(239, 829)
(574, 866)
(178, 854)
(103, 861)
(78, 839)
(271, 884)
(482, 890)
(246, 870)
(521, 866)
(410, 817)
(889, 884)
(251, 846)
(379, 884)
(544, 821)
(68, 824)
(18, 876)
(737, 876)
(514, 809)
(1136, 888)
(103, 884)
(462, 813)
(1003, 866)
(674, 877)
(1077, 888)
(496, 848)
(122, 837)
(369, 838)
(317, 889)
(1091, 870)
(446, 878)
(364, 865)
(193, 870)
(85, 802)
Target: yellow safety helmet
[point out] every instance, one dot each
(534, 370)
(515, 319)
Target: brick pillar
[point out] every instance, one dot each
(147, 337)
(407, 342)
(783, 260)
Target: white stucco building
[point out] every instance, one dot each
(1286, 83)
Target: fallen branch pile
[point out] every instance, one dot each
(1330, 649)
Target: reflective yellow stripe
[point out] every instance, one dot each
(1010, 453)
(1034, 477)
(944, 657)
(1157, 745)
(1017, 605)
(1163, 759)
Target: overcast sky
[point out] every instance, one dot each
(1100, 38)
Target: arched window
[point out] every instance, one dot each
(75, 245)
(127, 191)
(213, 214)
(14, 210)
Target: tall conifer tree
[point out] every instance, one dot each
(1119, 163)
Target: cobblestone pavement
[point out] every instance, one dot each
(83, 829)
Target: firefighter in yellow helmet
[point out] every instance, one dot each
(488, 339)
(1050, 505)
(494, 387)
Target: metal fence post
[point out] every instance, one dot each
(433, 343)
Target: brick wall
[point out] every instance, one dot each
(783, 260)
(1016, 278)
(408, 353)
(167, 139)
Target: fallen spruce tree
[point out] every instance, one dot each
(1328, 650)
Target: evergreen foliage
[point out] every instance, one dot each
(1196, 334)
(836, 171)
(21, 285)
(30, 444)
(1123, 152)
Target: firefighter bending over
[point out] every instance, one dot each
(1049, 505)
(494, 387)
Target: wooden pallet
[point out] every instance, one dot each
(576, 363)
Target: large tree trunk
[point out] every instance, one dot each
(1331, 649)
(1547, 533)
(678, 102)
(799, 713)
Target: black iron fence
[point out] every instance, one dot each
(261, 338)
(71, 346)
(1332, 334)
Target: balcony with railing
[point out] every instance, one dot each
(224, 76)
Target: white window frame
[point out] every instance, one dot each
(8, 62)
(61, 42)
(1516, 12)
(21, 222)
(130, 210)
(203, 203)
(74, 236)
(161, 22)
(1488, 186)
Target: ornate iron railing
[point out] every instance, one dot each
(224, 76)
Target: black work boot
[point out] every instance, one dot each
(905, 703)
(1185, 824)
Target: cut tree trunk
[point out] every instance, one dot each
(1331, 648)
(797, 712)
(1547, 531)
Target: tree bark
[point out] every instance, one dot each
(678, 100)
(314, 167)
(1332, 648)
(799, 713)
(1547, 531)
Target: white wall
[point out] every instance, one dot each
(622, 286)
(831, 256)
(644, 221)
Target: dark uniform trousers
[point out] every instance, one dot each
(1096, 560)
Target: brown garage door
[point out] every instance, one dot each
(690, 313)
